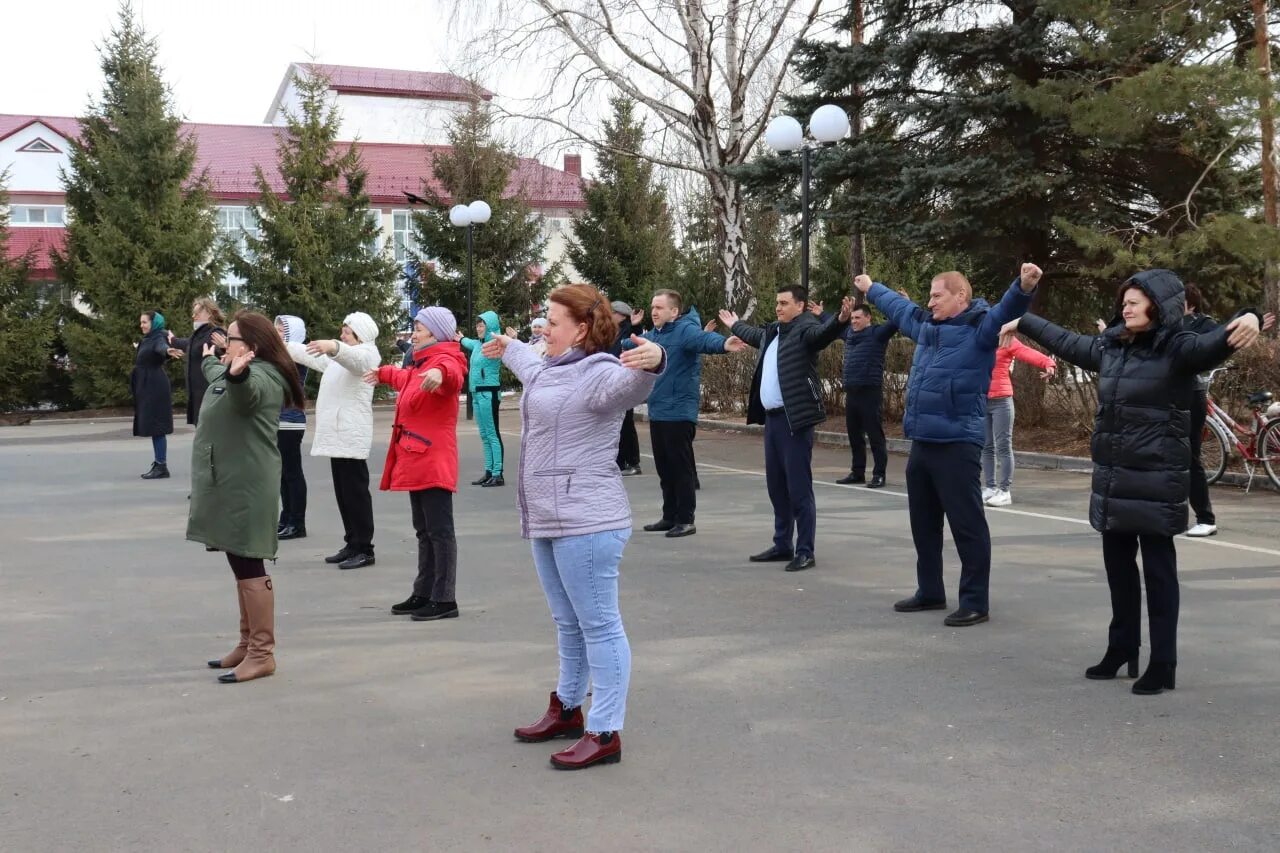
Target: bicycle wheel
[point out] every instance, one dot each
(1214, 453)
(1269, 450)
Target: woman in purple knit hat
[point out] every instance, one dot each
(574, 509)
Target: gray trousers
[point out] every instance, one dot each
(997, 453)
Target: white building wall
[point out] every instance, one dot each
(34, 171)
(377, 118)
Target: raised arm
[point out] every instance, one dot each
(752, 336)
(1081, 350)
(904, 314)
(820, 337)
(884, 331)
(298, 352)
(1196, 353)
(1015, 302)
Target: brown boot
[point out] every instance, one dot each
(260, 605)
(557, 722)
(233, 657)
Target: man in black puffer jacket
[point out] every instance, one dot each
(1141, 449)
(786, 398)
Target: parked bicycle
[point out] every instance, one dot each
(1258, 443)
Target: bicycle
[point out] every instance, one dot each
(1258, 443)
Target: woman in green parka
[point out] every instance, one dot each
(235, 477)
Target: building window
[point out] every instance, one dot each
(554, 226)
(236, 224)
(403, 240)
(38, 215)
(375, 219)
(39, 146)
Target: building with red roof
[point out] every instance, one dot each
(398, 117)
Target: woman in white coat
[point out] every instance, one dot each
(344, 427)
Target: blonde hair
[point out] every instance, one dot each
(211, 308)
(955, 282)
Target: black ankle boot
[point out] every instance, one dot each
(1157, 678)
(1110, 664)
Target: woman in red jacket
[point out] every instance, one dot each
(423, 457)
(997, 454)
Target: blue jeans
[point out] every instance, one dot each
(997, 453)
(579, 575)
(160, 447)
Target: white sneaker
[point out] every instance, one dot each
(988, 492)
(1203, 530)
(1000, 498)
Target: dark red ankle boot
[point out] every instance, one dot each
(592, 748)
(559, 721)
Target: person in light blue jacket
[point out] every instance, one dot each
(956, 339)
(486, 394)
(673, 406)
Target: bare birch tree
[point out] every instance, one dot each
(708, 71)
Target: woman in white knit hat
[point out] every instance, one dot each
(344, 427)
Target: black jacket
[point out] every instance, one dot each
(799, 343)
(196, 383)
(624, 334)
(152, 396)
(1141, 445)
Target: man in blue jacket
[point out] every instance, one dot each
(673, 406)
(864, 346)
(956, 341)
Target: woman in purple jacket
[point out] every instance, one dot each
(574, 508)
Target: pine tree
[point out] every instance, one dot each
(1064, 132)
(318, 251)
(506, 250)
(623, 242)
(27, 329)
(140, 233)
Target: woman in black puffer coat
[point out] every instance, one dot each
(152, 395)
(1141, 451)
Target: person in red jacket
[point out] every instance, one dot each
(423, 457)
(997, 453)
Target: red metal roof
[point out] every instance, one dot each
(38, 242)
(392, 82)
(230, 153)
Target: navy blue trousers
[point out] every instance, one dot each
(944, 480)
(788, 472)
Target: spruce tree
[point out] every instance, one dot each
(318, 252)
(27, 329)
(140, 229)
(1061, 132)
(506, 250)
(623, 242)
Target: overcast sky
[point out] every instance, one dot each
(223, 59)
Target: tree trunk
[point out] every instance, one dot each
(857, 243)
(1271, 282)
(731, 228)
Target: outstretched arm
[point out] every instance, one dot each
(298, 352)
(1081, 350)
(1197, 353)
(625, 386)
(752, 336)
(1015, 303)
(1030, 356)
(902, 312)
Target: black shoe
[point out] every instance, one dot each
(915, 603)
(1111, 663)
(877, 482)
(433, 610)
(800, 563)
(681, 530)
(1157, 678)
(280, 528)
(852, 479)
(659, 526)
(773, 555)
(410, 604)
(357, 561)
(965, 617)
(208, 548)
(486, 478)
(493, 481)
(291, 532)
(159, 471)
(632, 471)
(342, 556)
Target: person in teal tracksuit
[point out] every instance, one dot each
(486, 393)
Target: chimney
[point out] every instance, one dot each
(573, 164)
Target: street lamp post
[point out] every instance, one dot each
(827, 126)
(466, 216)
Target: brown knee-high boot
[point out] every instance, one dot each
(260, 605)
(233, 657)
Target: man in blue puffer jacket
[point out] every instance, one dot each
(673, 406)
(945, 419)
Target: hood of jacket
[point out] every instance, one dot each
(363, 325)
(1166, 292)
(969, 316)
(491, 326)
(295, 331)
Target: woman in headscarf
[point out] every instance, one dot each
(152, 394)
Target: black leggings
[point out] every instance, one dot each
(247, 568)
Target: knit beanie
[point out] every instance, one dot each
(439, 321)
(364, 327)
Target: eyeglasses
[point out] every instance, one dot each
(231, 338)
